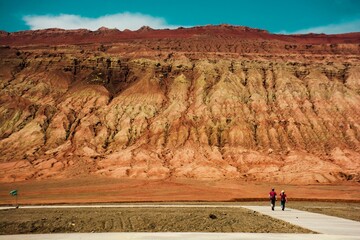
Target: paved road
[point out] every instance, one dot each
(331, 227)
(317, 222)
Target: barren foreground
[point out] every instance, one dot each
(155, 219)
(140, 220)
(92, 190)
(110, 190)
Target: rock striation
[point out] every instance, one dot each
(211, 102)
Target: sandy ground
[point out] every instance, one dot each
(15, 221)
(95, 190)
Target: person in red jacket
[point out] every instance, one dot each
(283, 200)
(272, 197)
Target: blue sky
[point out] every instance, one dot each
(277, 16)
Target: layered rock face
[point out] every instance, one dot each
(216, 102)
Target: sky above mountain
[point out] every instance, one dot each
(280, 16)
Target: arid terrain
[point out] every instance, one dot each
(140, 220)
(214, 103)
(152, 219)
(114, 190)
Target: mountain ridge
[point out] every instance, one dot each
(201, 103)
(30, 36)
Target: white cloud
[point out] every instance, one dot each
(121, 21)
(345, 27)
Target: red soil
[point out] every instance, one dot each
(106, 190)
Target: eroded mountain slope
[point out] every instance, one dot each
(133, 110)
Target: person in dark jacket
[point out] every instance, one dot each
(283, 200)
(272, 197)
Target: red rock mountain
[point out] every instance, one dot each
(212, 102)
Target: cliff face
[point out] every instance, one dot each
(208, 102)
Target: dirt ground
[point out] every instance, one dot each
(341, 200)
(17, 221)
(110, 190)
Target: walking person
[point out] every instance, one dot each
(272, 197)
(283, 200)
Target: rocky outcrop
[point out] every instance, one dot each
(186, 103)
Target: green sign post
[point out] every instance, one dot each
(14, 193)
